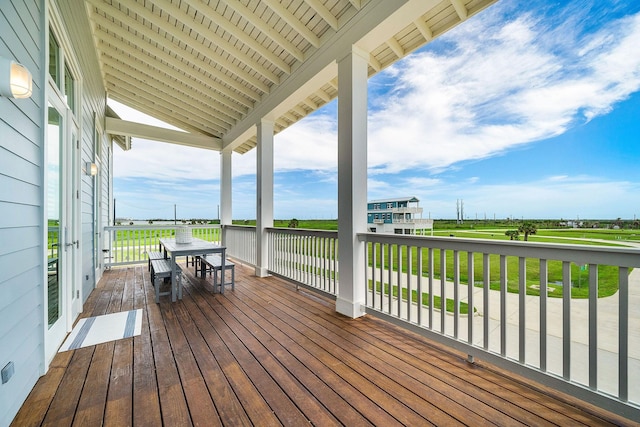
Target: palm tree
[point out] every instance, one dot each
(527, 228)
(513, 234)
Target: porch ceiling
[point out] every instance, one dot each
(216, 67)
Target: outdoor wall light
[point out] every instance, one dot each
(15, 79)
(92, 169)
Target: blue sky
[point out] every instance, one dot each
(527, 110)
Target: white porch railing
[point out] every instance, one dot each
(129, 244)
(241, 243)
(309, 257)
(513, 304)
(462, 293)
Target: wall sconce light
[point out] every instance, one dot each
(15, 79)
(92, 169)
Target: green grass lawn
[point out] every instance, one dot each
(607, 275)
(437, 301)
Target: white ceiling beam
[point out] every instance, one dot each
(324, 13)
(133, 45)
(197, 89)
(154, 133)
(180, 112)
(424, 29)
(116, 47)
(140, 105)
(175, 48)
(211, 107)
(167, 94)
(194, 44)
(403, 13)
(227, 26)
(356, 3)
(201, 29)
(395, 47)
(300, 111)
(461, 10)
(261, 25)
(374, 63)
(291, 117)
(293, 22)
(308, 102)
(322, 95)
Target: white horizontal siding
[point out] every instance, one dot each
(21, 195)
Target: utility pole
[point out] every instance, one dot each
(175, 217)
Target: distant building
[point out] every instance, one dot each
(401, 215)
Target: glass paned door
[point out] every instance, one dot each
(63, 296)
(55, 250)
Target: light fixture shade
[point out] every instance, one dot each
(92, 169)
(15, 79)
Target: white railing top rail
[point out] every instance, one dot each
(157, 226)
(580, 254)
(304, 232)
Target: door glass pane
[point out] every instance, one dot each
(69, 89)
(54, 59)
(54, 206)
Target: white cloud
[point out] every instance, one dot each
(496, 86)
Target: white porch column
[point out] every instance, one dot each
(264, 193)
(225, 194)
(352, 181)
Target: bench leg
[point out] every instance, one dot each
(233, 278)
(156, 284)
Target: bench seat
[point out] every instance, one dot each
(213, 263)
(160, 270)
(154, 255)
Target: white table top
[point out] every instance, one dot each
(170, 245)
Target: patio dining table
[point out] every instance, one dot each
(193, 248)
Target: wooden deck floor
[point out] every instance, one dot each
(266, 354)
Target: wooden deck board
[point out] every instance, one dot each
(266, 354)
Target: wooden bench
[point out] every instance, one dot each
(154, 255)
(213, 263)
(160, 270)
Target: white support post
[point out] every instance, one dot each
(264, 194)
(225, 194)
(352, 181)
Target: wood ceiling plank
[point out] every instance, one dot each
(199, 84)
(168, 93)
(203, 31)
(262, 26)
(191, 42)
(141, 103)
(324, 13)
(293, 22)
(236, 32)
(172, 106)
